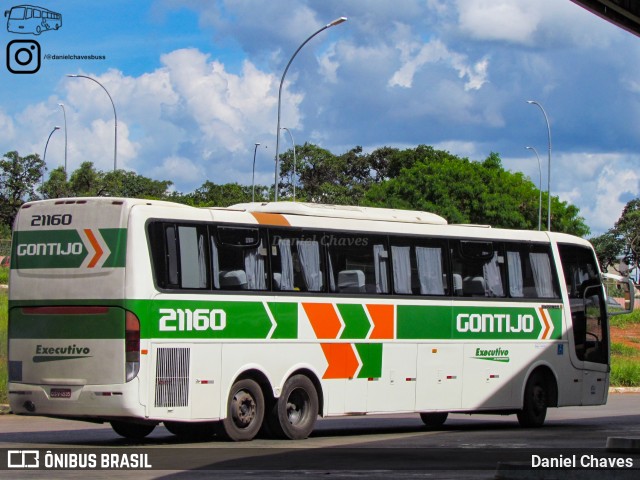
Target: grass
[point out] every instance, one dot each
(625, 371)
(625, 320)
(4, 275)
(4, 320)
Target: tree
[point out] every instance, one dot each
(57, 185)
(19, 177)
(608, 247)
(86, 181)
(463, 191)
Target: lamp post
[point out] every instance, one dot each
(44, 156)
(337, 21)
(533, 102)
(294, 161)
(253, 174)
(115, 116)
(65, 136)
(539, 187)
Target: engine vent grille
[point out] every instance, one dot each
(172, 377)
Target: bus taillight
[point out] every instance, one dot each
(132, 345)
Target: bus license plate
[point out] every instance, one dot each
(60, 393)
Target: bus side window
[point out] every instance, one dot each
(530, 271)
(238, 259)
(418, 267)
(357, 263)
(481, 266)
(296, 262)
(179, 255)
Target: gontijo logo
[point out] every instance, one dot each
(538, 324)
(82, 248)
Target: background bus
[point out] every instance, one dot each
(32, 19)
(264, 316)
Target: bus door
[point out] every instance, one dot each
(589, 329)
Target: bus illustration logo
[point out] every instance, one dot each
(30, 19)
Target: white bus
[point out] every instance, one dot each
(264, 316)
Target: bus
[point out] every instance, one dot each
(261, 317)
(32, 19)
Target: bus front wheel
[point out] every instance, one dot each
(132, 430)
(294, 414)
(536, 401)
(245, 411)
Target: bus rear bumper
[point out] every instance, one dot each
(91, 401)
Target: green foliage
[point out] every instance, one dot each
(4, 275)
(622, 242)
(422, 178)
(213, 195)
(19, 177)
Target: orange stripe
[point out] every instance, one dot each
(324, 319)
(547, 326)
(343, 362)
(96, 247)
(382, 317)
(271, 219)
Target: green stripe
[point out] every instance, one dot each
(356, 323)
(286, 317)
(371, 356)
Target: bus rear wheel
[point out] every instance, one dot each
(434, 419)
(245, 411)
(132, 430)
(294, 414)
(536, 401)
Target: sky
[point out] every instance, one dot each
(195, 86)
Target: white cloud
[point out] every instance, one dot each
(499, 19)
(415, 57)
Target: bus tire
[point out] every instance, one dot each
(245, 411)
(200, 430)
(535, 403)
(295, 413)
(132, 430)
(434, 419)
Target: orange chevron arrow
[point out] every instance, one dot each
(96, 247)
(382, 317)
(324, 319)
(343, 361)
(548, 326)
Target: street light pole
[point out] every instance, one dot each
(44, 156)
(337, 21)
(65, 136)
(115, 116)
(253, 174)
(539, 187)
(533, 102)
(294, 162)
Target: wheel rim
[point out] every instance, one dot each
(243, 409)
(297, 406)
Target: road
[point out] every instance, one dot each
(390, 446)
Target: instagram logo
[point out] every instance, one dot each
(23, 56)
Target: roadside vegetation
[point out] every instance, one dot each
(4, 313)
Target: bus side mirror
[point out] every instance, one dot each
(620, 294)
